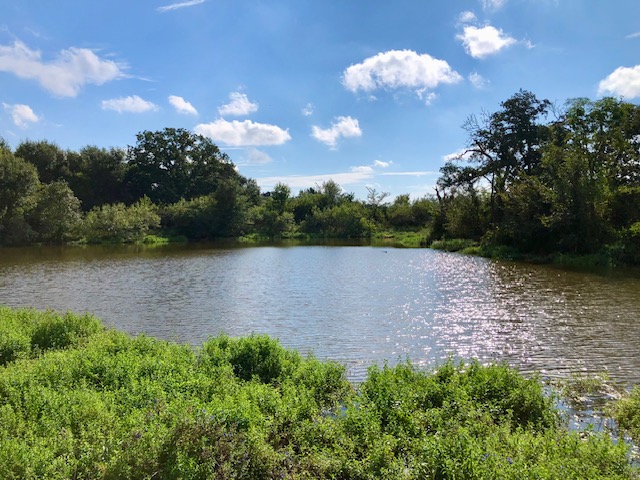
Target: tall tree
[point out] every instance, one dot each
(98, 176)
(48, 158)
(502, 146)
(173, 163)
(18, 185)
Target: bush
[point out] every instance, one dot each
(25, 332)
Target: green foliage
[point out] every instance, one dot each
(626, 412)
(569, 186)
(25, 333)
(48, 158)
(173, 163)
(121, 224)
(345, 220)
(55, 217)
(97, 176)
(452, 244)
(18, 184)
(78, 401)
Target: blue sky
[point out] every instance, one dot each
(367, 93)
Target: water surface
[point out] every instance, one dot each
(357, 305)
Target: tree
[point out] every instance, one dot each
(375, 200)
(280, 197)
(55, 217)
(119, 223)
(173, 163)
(97, 176)
(502, 147)
(18, 184)
(49, 159)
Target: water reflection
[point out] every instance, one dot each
(357, 305)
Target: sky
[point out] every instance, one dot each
(371, 94)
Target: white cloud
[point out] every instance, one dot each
(21, 114)
(493, 4)
(306, 181)
(478, 81)
(238, 106)
(64, 76)
(131, 104)
(342, 127)
(467, 17)
(429, 98)
(245, 133)
(254, 156)
(633, 35)
(176, 6)
(381, 164)
(362, 169)
(182, 106)
(485, 41)
(624, 81)
(399, 69)
(307, 110)
(461, 154)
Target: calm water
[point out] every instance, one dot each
(357, 305)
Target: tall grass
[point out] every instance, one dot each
(81, 401)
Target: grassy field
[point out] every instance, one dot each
(81, 401)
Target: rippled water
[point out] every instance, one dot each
(357, 305)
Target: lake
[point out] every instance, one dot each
(358, 305)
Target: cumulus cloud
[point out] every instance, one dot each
(399, 69)
(480, 42)
(64, 76)
(624, 81)
(176, 6)
(239, 105)
(344, 127)
(246, 133)
(131, 104)
(182, 106)
(21, 114)
(478, 81)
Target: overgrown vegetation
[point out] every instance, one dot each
(81, 401)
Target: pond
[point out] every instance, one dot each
(358, 305)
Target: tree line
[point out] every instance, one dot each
(541, 179)
(534, 178)
(175, 183)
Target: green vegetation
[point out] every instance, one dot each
(534, 183)
(566, 186)
(81, 401)
(626, 412)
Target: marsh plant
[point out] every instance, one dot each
(81, 401)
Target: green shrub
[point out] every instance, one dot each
(25, 332)
(626, 412)
(452, 244)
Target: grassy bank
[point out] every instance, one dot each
(81, 401)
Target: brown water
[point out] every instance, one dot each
(357, 305)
